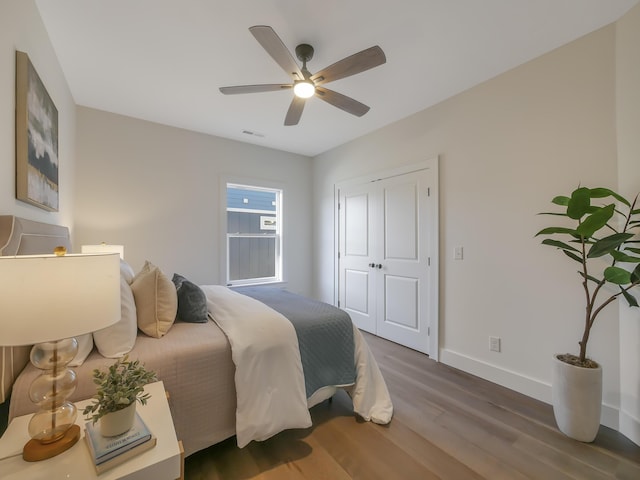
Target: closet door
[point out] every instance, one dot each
(402, 260)
(386, 234)
(357, 247)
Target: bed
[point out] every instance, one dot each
(246, 370)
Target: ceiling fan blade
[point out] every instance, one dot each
(295, 111)
(356, 63)
(269, 87)
(271, 42)
(343, 102)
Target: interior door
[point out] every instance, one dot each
(402, 276)
(385, 244)
(356, 279)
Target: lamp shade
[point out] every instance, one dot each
(49, 297)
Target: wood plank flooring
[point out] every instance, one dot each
(447, 425)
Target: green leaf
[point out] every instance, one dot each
(635, 275)
(617, 275)
(595, 221)
(594, 279)
(623, 257)
(552, 230)
(605, 192)
(590, 277)
(559, 244)
(600, 192)
(572, 255)
(631, 300)
(633, 250)
(608, 244)
(579, 203)
(561, 200)
(558, 214)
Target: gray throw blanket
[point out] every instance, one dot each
(325, 336)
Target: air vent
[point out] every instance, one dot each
(255, 134)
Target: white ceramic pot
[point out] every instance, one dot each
(577, 399)
(116, 423)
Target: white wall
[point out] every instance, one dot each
(21, 28)
(156, 190)
(506, 148)
(628, 128)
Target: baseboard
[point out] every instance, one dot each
(630, 427)
(529, 386)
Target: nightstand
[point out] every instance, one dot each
(164, 461)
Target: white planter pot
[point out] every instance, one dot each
(116, 423)
(577, 399)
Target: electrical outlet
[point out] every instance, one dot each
(494, 344)
(458, 253)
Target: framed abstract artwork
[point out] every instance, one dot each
(36, 139)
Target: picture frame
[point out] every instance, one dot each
(36, 139)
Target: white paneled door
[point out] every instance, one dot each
(357, 255)
(388, 248)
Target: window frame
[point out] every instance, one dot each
(257, 185)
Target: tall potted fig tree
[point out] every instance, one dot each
(601, 239)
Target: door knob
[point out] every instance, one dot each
(379, 266)
(372, 265)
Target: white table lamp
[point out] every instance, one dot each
(47, 300)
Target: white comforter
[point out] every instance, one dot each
(269, 377)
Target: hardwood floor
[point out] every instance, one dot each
(447, 425)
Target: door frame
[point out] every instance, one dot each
(434, 301)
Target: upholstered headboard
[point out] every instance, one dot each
(19, 236)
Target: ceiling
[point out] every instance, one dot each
(164, 60)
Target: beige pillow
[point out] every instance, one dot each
(156, 300)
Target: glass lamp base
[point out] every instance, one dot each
(52, 428)
(34, 451)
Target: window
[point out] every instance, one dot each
(254, 240)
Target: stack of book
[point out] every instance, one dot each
(107, 452)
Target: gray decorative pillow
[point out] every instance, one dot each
(192, 302)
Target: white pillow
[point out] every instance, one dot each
(118, 340)
(126, 271)
(85, 345)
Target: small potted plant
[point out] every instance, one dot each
(118, 390)
(602, 237)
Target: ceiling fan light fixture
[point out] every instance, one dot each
(304, 83)
(304, 89)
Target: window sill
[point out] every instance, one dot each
(257, 284)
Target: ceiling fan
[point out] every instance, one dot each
(305, 84)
